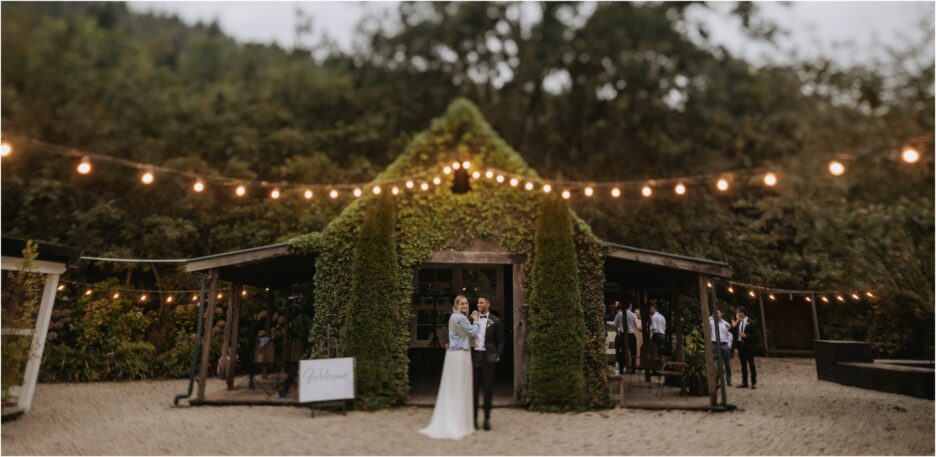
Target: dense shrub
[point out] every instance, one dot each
(557, 327)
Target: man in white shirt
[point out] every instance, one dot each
(723, 347)
(657, 335)
(633, 326)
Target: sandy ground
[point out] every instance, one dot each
(790, 413)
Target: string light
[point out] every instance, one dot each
(489, 174)
(646, 191)
(244, 293)
(500, 179)
(143, 297)
(869, 294)
(61, 287)
(771, 296)
(447, 170)
(376, 190)
(240, 191)
(547, 188)
(589, 191)
(85, 166)
(840, 298)
(357, 192)
(5, 149)
(436, 180)
(751, 293)
(395, 190)
(476, 174)
(722, 185)
(116, 295)
(680, 189)
(514, 182)
(308, 194)
(836, 168)
(855, 297)
(424, 187)
(566, 194)
(824, 299)
(910, 155)
(466, 164)
(274, 194)
(770, 179)
(708, 284)
(198, 186)
(87, 292)
(615, 193)
(409, 184)
(528, 185)
(333, 194)
(730, 290)
(808, 300)
(147, 178)
(194, 297)
(456, 165)
(219, 296)
(169, 299)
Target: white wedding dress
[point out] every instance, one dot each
(453, 416)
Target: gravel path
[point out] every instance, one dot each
(790, 413)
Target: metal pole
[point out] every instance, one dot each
(815, 317)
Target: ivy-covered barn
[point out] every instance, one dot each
(384, 273)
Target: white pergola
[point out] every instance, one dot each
(52, 266)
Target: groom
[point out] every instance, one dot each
(485, 353)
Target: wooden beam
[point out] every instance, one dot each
(236, 258)
(235, 326)
(707, 335)
(763, 319)
(671, 261)
(815, 317)
(35, 266)
(206, 337)
(31, 373)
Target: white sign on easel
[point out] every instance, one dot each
(326, 379)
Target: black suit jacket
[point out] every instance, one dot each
(750, 332)
(493, 341)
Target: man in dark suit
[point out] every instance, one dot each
(485, 353)
(746, 329)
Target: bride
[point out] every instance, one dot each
(453, 417)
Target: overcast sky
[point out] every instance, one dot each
(849, 32)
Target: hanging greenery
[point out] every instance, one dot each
(438, 219)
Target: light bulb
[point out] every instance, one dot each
(855, 297)
(85, 166)
(376, 190)
(409, 184)
(61, 287)
(244, 293)
(87, 292)
(910, 155)
(357, 192)
(198, 186)
(751, 293)
(116, 295)
(240, 191)
(466, 164)
(500, 178)
(771, 296)
(308, 194)
(436, 180)
(770, 179)
(836, 168)
(274, 194)
(143, 297)
(808, 300)
(447, 170)
(566, 194)
(615, 192)
(722, 185)
(169, 299)
(147, 178)
(547, 188)
(456, 165)
(528, 186)
(589, 191)
(333, 194)
(730, 290)
(476, 174)
(424, 186)
(5, 149)
(646, 191)
(514, 182)
(869, 294)
(395, 190)
(680, 189)
(489, 174)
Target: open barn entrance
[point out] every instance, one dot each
(436, 284)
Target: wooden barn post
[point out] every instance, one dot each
(707, 335)
(206, 337)
(763, 321)
(234, 323)
(815, 317)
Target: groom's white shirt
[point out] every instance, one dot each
(479, 340)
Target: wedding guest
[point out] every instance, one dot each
(722, 345)
(633, 329)
(620, 338)
(657, 335)
(747, 335)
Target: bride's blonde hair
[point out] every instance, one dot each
(458, 300)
